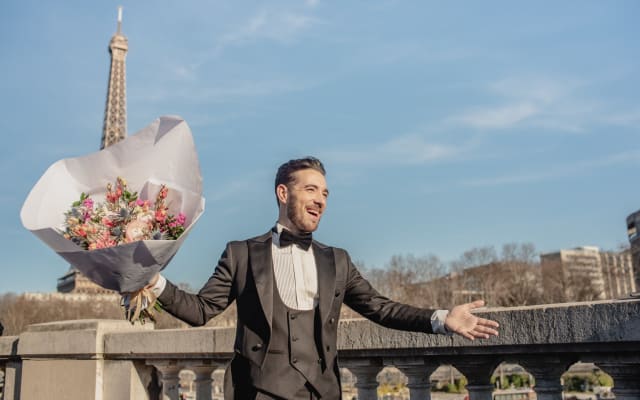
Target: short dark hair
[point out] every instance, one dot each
(284, 176)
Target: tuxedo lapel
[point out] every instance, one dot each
(261, 263)
(326, 266)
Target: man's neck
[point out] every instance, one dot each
(286, 224)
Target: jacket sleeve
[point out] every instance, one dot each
(214, 297)
(367, 301)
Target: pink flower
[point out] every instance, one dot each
(161, 215)
(88, 203)
(181, 218)
(112, 197)
(140, 202)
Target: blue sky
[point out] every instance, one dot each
(443, 126)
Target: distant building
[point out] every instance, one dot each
(586, 273)
(75, 282)
(633, 231)
(578, 272)
(114, 129)
(618, 274)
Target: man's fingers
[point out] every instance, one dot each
(475, 304)
(480, 333)
(468, 335)
(486, 330)
(488, 322)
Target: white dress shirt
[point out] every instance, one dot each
(295, 273)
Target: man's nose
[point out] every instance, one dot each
(321, 201)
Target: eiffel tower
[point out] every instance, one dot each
(113, 130)
(115, 114)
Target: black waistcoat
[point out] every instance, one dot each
(293, 363)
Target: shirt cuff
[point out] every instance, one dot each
(158, 288)
(437, 322)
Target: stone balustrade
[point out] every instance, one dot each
(104, 359)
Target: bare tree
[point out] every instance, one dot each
(509, 280)
(406, 278)
(475, 257)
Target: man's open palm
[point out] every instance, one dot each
(461, 321)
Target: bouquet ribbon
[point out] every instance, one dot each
(139, 305)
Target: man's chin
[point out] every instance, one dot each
(310, 228)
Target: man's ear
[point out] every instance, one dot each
(282, 192)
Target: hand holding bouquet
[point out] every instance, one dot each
(116, 237)
(123, 218)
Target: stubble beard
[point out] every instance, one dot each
(297, 219)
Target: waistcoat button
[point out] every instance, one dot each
(295, 360)
(257, 347)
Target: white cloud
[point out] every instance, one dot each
(186, 72)
(238, 185)
(534, 89)
(628, 118)
(499, 117)
(408, 149)
(243, 89)
(558, 171)
(541, 102)
(414, 149)
(230, 91)
(278, 26)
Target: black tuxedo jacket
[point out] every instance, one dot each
(245, 274)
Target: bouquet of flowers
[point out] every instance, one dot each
(122, 218)
(116, 237)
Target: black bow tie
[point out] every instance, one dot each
(303, 240)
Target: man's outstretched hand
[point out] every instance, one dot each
(461, 321)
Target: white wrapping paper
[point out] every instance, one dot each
(161, 153)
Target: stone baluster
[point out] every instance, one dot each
(478, 371)
(203, 382)
(169, 379)
(218, 382)
(418, 371)
(625, 374)
(366, 373)
(12, 381)
(547, 370)
(2, 375)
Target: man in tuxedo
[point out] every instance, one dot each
(289, 289)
